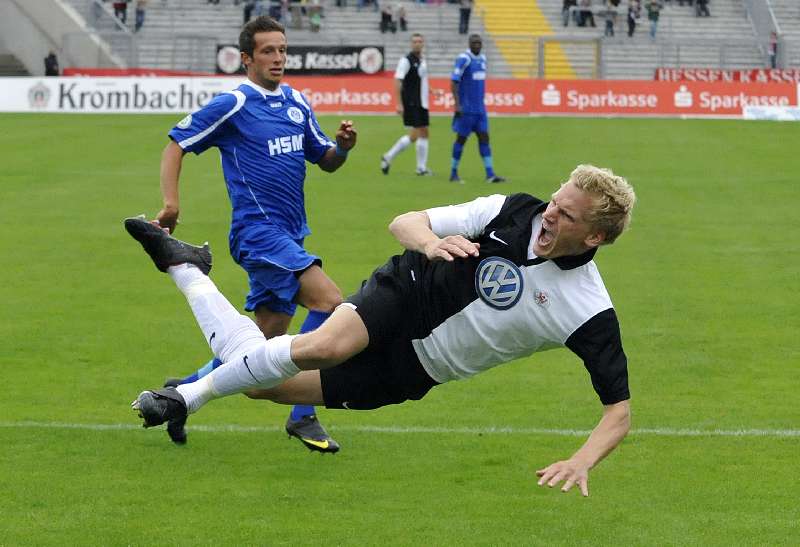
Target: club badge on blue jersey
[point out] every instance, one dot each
(498, 282)
(295, 114)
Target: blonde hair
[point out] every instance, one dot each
(613, 199)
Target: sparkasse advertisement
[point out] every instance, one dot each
(365, 94)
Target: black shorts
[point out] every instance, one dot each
(388, 371)
(415, 116)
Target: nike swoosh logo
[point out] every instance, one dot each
(492, 236)
(318, 444)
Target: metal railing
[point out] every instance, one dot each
(767, 30)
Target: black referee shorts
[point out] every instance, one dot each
(388, 371)
(415, 116)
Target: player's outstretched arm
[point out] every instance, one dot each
(613, 427)
(171, 161)
(413, 231)
(335, 157)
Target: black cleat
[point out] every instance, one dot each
(173, 382)
(495, 179)
(384, 165)
(163, 405)
(456, 179)
(311, 434)
(424, 173)
(164, 249)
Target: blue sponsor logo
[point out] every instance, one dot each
(498, 282)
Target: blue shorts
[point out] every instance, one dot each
(273, 262)
(467, 123)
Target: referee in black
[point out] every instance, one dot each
(411, 85)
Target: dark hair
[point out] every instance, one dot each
(247, 38)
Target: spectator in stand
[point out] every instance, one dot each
(566, 11)
(362, 3)
(701, 8)
(247, 10)
(387, 20)
(585, 13)
(215, 2)
(314, 11)
(51, 67)
(654, 8)
(141, 8)
(401, 17)
(634, 12)
(121, 10)
(464, 12)
(772, 51)
(610, 16)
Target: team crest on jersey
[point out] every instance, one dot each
(295, 114)
(498, 282)
(541, 298)
(186, 122)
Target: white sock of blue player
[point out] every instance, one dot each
(401, 144)
(422, 154)
(249, 361)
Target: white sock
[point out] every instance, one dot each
(422, 154)
(261, 366)
(401, 144)
(227, 332)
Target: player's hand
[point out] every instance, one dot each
(569, 472)
(400, 108)
(167, 218)
(346, 135)
(451, 247)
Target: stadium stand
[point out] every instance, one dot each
(183, 34)
(11, 66)
(787, 12)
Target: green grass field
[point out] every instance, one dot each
(705, 284)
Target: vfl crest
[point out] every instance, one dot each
(39, 95)
(498, 282)
(295, 114)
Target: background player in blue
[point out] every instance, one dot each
(468, 86)
(265, 132)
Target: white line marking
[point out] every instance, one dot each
(232, 428)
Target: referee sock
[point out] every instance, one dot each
(422, 154)
(401, 144)
(313, 320)
(486, 154)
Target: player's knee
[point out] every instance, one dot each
(328, 348)
(326, 301)
(461, 140)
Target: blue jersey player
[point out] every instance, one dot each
(468, 84)
(265, 132)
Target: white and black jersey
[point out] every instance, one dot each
(413, 71)
(430, 322)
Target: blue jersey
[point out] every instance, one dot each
(470, 72)
(264, 137)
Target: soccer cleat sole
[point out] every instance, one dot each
(147, 409)
(323, 447)
(165, 250)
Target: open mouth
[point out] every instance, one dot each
(545, 237)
